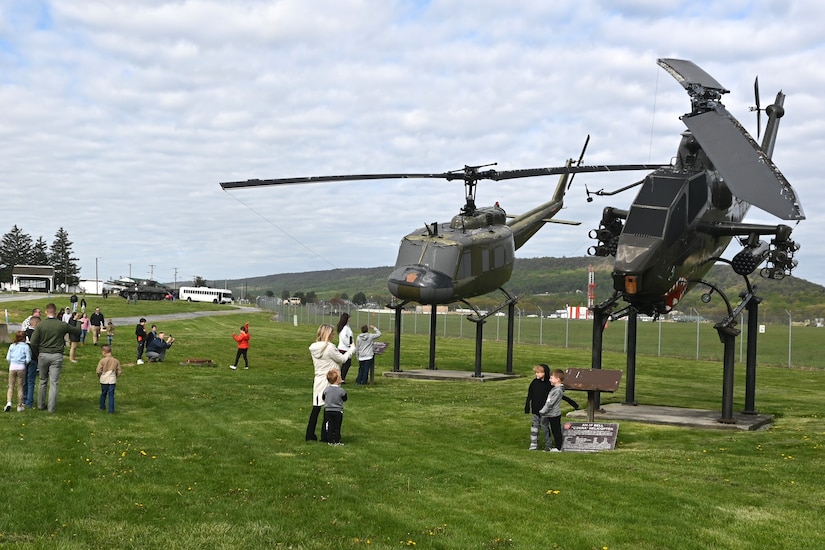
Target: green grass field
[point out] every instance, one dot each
(202, 457)
(777, 344)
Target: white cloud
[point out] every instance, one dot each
(123, 117)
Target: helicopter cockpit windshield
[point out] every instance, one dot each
(652, 207)
(433, 255)
(441, 258)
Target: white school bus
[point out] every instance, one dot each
(205, 294)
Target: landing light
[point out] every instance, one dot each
(630, 284)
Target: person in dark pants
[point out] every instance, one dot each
(140, 335)
(325, 356)
(243, 347)
(334, 397)
(345, 340)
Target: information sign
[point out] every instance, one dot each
(589, 436)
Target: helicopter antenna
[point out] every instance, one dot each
(757, 108)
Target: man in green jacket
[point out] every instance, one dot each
(47, 343)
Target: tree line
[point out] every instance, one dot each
(18, 248)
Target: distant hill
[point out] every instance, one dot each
(551, 283)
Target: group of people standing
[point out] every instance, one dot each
(154, 343)
(38, 349)
(332, 364)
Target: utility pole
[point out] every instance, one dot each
(176, 278)
(152, 271)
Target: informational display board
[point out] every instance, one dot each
(589, 437)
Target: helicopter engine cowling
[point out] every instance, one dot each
(420, 284)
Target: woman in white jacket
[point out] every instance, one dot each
(325, 356)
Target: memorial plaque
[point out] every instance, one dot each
(589, 437)
(592, 379)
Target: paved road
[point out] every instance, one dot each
(125, 321)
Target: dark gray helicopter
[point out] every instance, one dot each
(683, 219)
(685, 215)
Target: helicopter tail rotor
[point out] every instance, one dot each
(757, 108)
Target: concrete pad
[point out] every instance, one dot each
(461, 375)
(675, 416)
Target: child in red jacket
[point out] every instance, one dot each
(243, 346)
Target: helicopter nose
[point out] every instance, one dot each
(635, 256)
(420, 284)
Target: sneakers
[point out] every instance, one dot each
(553, 450)
(533, 448)
(8, 407)
(21, 408)
(331, 444)
(140, 361)
(73, 360)
(233, 367)
(246, 367)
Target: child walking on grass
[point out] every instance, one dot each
(334, 397)
(18, 356)
(243, 347)
(109, 370)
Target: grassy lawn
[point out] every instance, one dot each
(202, 457)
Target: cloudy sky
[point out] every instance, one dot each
(120, 118)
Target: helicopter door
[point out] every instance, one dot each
(465, 265)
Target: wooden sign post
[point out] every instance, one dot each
(592, 381)
(591, 436)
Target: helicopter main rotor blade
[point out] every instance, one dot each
(468, 175)
(747, 170)
(554, 171)
(689, 74)
(318, 179)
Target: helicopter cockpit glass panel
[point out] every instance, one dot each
(677, 224)
(659, 190)
(409, 253)
(498, 256)
(465, 266)
(697, 195)
(441, 258)
(649, 222)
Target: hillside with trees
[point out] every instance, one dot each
(546, 284)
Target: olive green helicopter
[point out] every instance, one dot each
(473, 254)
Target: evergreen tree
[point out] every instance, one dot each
(15, 249)
(65, 266)
(40, 252)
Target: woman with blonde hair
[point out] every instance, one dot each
(325, 356)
